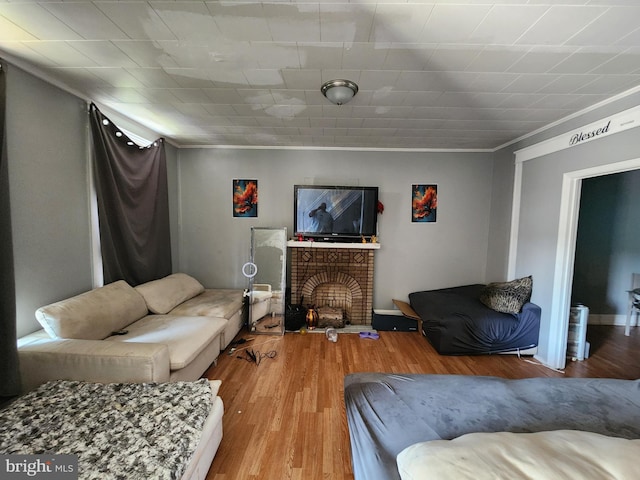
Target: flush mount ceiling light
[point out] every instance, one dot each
(339, 91)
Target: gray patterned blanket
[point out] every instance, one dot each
(119, 431)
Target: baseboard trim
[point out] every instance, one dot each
(615, 320)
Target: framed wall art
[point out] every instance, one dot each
(424, 203)
(245, 198)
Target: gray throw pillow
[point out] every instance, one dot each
(507, 297)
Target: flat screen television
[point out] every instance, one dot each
(335, 213)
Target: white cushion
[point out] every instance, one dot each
(95, 314)
(218, 302)
(186, 337)
(528, 456)
(165, 294)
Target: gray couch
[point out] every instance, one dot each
(170, 329)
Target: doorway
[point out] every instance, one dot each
(566, 249)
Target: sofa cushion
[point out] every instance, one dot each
(219, 302)
(95, 314)
(185, 337)
(166, 293)
(541, 455)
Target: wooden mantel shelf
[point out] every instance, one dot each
(354, 245)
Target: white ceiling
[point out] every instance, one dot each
(432, 74)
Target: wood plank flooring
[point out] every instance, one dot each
(285, 418)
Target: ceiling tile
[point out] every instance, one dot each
(103, 53)
(559, 24)
(568, 83)
(363, 56)
(62, 54)
(504, 24)
(496, 59)
(540, 59)
(599, 32)
(264, 78)
(190, 95)
(345, 22)
(147, 53)
(587, 59)
(85, 19)
(153, 77)
(301, 79)
(407, 57)
(452, 57)
(190, 77)
(243, 22)
(399, 23)
(530, 83)
(318, 56)
(116, 77)
(625, 62)
(293, 23)
(29, 21)
(453, 23)
(138, 20)
(609, 85)
(190, 21)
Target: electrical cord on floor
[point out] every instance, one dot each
(254, 356)
(532, 362)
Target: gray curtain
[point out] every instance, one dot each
(133, 204)
(9, 373)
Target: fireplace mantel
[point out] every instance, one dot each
(354, 245)
(334, 274)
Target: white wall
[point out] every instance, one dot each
(48, 166)
(413, 256)
(47, 162)
(500, 222)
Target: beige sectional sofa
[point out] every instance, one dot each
(170, 329)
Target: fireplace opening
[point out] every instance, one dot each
(334, 295)
(336, 290)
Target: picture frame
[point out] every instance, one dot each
(424, 203)
(245, 198)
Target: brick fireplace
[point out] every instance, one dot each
(338, 275)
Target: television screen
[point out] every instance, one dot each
(335, 213)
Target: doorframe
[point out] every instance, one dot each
(565, 250)
(568, 217)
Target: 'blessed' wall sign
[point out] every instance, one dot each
(582, 136)
(616, 123)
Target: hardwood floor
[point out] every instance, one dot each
(285, 418)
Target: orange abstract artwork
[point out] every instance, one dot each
(245, 198)
(424, 203)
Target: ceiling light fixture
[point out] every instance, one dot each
(339, 91)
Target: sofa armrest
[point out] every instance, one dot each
(47, 359)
